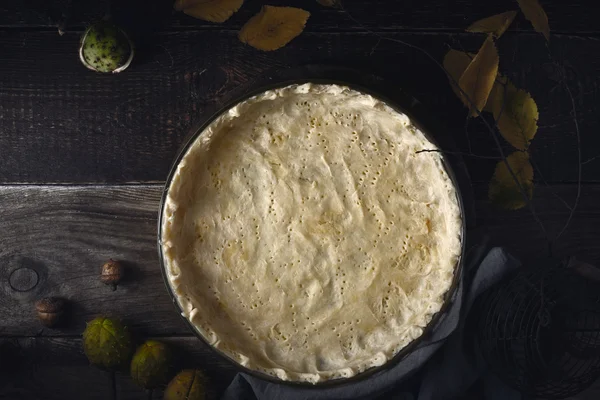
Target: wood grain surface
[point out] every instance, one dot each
(49, 368)
(56, 368)
(565, 17)
(56, 238)
(83, 156)
(64, 235)
(62, 123)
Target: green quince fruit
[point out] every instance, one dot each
(107, 343)
(105, 48)
(189, 384)
(151, 364)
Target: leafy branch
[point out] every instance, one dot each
(519, 125)
(516, 184)
(579, 162)
(474, 77)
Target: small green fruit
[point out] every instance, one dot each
(189, 384)
(107, 343)
(150, 365)
(105, 48)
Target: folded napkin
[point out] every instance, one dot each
(449, 373)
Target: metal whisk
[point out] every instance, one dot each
(540, 331)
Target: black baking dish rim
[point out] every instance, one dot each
(399, 101)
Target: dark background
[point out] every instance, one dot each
(83, 156)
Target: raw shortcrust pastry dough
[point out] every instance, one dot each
(303, 236)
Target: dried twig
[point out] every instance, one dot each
(579, 163)
(589, 160)
(460, 153)
(538, 173)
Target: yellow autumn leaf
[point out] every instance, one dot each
(209, 10)
(504, 191)
(273, 27)
(533, 11)
(478, 79)
(516, 114)
(455, 63)
(497, 91)
(495, 25)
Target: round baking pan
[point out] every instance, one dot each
(399, 101)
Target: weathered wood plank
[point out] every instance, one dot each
(50, 369)
(62, 123)
(65, 235)
(521, 234)
(189, 353)
(593, 392)
(56, 368)
(378, 14)
(58, 237)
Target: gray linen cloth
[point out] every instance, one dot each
(449, 374)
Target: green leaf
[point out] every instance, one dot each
(516, 114)
(504, 190)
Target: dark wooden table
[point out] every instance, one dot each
(83, 156)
